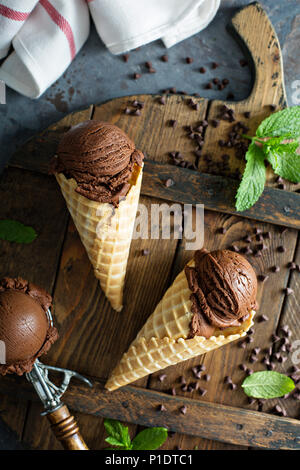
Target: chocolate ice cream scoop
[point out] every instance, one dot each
(24, 324)
(100, 157)
(224, 288)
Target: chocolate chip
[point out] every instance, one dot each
(169, 182)
(162, 377)
(288, 291)
(215, 122)
(202, 69)
(230, 96)
(208, 86)
(183, 409)
(127, 111)
(125, 57)
(148, 65)
(272, 107)
(152, 70)
(137, 112)
(281, 249)
(216, 81)
(161, 408)
(267, 235)
(262, 277)
(165, 58)
(263, 318)
(136, 76)
(173, 123)
(145, 252)
(228, 380)
(247, 114)
(202, 391)
(207, 377)
(243, 62)
(162, 100)
(232, 386)
(173, 391)
(189, 60)
(291, 265)
(214, 65)
(221, 230)
(225, 81)
(275, 269)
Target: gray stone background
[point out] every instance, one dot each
(96, 76)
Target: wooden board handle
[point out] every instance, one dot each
(66, 429)
(253, 29)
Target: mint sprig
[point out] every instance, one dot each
(14, 231)
(267, 384)
(277, 141)
(254, 178)
(148, 439)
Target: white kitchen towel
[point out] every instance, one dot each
(127, 24)
(45, 45)
(47, 34)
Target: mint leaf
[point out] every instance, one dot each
(114, 442)
(283, 123)
(253, 181)
(118, 432)
(150, 439)
(14, 231)
(285, 161)
(267, 384)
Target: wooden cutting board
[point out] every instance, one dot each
(92, 336)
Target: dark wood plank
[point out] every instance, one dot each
(218, 193)
(210, 420)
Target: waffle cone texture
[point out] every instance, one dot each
(105, 232)
(163, 339)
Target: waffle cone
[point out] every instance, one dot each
(105, 232)
(163, 340)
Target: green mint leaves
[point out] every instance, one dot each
(254, 178)
(277, 141)
(148, 439)
(285, 123)
(267, 384)
(14, 231)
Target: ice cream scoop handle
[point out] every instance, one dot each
(66, 429)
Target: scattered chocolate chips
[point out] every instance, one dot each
(162, 377)
(161, 408)
(169, 182)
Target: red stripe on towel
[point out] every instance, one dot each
(62, 23)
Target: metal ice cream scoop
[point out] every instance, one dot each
(62, 422)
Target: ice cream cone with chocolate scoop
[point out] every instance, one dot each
(99, 172)
(211, 303)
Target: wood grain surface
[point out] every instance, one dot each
(92, 336)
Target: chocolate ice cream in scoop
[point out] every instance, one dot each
(224, 288)
(24, 324)
(100, 157)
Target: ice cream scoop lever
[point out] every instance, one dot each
(62, 422)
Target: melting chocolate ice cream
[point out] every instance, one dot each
(224, 288)
(100, 157)
(24, 325)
